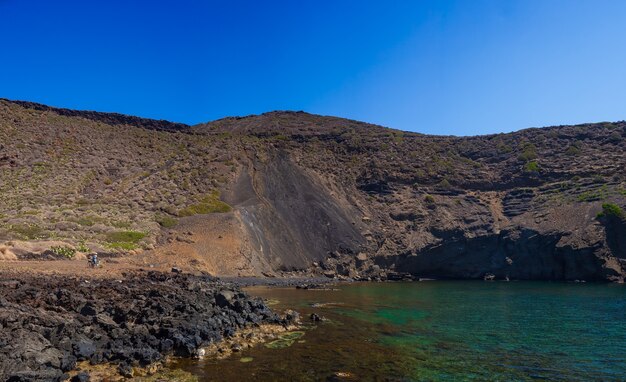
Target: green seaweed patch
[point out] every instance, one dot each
(207, 205)
(246, 359)
(386, 316)
(175, 375)
(285, 340)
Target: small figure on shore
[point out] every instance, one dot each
(93, 261)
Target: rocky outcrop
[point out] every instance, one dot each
(48, 324)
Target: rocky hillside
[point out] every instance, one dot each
(291, 191)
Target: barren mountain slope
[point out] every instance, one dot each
(322, 194)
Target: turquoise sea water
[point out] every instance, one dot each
(444, 331)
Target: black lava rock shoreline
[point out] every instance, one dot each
(49, 323)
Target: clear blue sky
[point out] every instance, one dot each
(441, 67)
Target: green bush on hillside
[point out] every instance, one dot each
(82, 247)
(166, 221)
(444, 184)
(207, 205)
(63, 251)
(532, 166)
(125, 236)
(611, 210)
(28, 231)
(126, 240)
(529, 152)
(591, 196)
(573, 151)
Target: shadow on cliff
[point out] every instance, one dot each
(517, 254)
(615, 228)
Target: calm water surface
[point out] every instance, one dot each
(444, 331)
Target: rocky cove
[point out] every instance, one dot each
(268, 197)
(50, 324)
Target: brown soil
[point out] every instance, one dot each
(310, 194)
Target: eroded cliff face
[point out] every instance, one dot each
(300, 219)
(292, 219)
(515, 224)
(318, 194)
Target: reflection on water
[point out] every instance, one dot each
(443, 331)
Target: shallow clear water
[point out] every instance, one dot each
(444, 331)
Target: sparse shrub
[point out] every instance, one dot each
(63, 251)
(429, 199)
(503, 148)
(444, 184)
(398, 136)
(124, 239)
(598, 179)
(532, 166)
(125, 236)
(207, 205)
(28, 231)
(529, 152)
(615, 137)
(611, 210)
(593, 195)
(573, 151)
(85, 221)
(122, 245)
(82, 247)
(120, 224)
(552, 134)
(166, 221)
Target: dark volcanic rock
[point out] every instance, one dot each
(109, 118)
(81, 377)
(224, 298)
(49, 323)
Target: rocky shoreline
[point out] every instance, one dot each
(49, 324)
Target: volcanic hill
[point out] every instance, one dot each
(290, 192)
